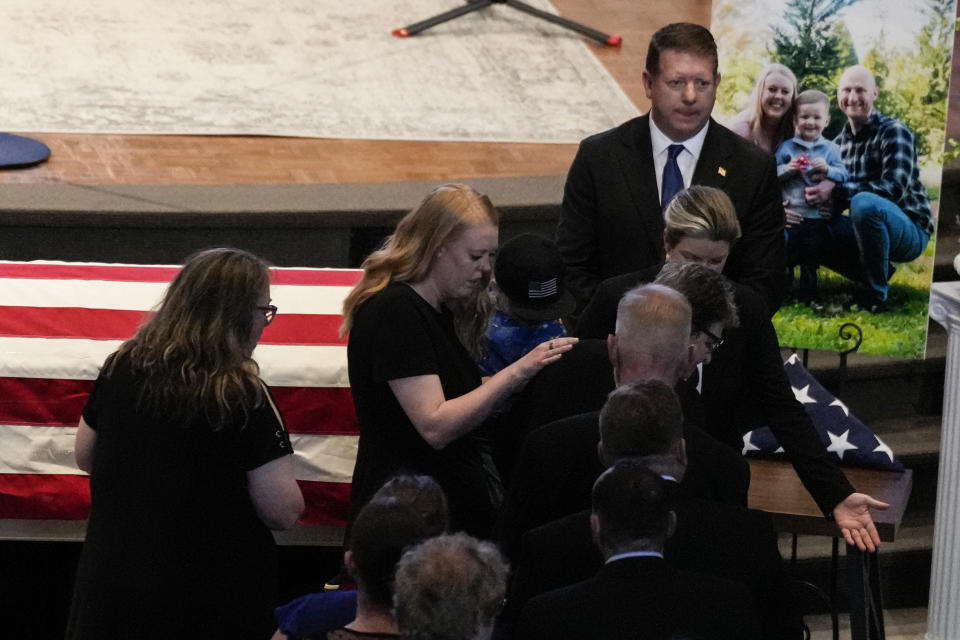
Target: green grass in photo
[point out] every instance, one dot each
(899, 332)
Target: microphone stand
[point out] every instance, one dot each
(477, 5)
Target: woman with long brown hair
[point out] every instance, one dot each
(416, 388)
(190, 466)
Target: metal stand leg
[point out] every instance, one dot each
(831, 599)
(423, 25)
(866, 601)
(599, 36)
(834, 565)
(476, 5)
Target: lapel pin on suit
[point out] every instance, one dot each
(722, 172)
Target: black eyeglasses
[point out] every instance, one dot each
(713, 342)
(269, 312)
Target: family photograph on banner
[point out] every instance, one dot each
(850, 96)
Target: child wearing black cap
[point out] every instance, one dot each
(530, 300)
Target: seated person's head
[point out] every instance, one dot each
(449, 588)
(403, 513)
(529, 278)
(701, 226)
(711, 297)
(652, 335)
(632, 509)
(424, 496)
(642, 418)
(813, 114)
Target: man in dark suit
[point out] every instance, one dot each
(636, 593)
(731, 542)
(621, 179)
(577, 383)
(557, 463)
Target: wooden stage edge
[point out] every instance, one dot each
(315, 225)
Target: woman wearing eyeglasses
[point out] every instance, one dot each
(417, 389)
(190, 467)
(743, 385)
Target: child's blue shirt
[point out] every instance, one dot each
(819, 148)
(510, 339)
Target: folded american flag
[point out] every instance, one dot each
(58, 321)
(841, 432)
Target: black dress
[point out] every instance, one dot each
(174, 548)
(397, 334)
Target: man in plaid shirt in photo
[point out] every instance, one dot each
(890, 217)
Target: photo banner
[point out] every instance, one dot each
(867, 274)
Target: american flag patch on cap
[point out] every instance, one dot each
(539, 290)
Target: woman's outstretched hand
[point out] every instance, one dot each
(542, 355)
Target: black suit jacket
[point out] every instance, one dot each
(558, 464)
(744, 386)
(577, 383)
(612, 223)
(644, 598)
(712, 538)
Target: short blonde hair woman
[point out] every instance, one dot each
(416, 388)
(700, 213)
(700, 225)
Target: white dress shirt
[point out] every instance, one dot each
(687, 160)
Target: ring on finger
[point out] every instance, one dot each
(551, 346)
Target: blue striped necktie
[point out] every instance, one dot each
(672, 178)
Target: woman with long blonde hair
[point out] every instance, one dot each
(768, 119)
(416, 388)
(190, 466)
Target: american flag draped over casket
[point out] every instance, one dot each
(58, 321)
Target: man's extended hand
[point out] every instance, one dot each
(853, 517)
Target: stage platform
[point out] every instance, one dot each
(318, 225)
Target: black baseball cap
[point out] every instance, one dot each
(529, 271)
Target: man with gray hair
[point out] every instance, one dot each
(745, 382)
(557, 463)
(652, 335)
(450, 587)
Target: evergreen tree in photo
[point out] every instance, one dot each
(816, 45)
(914, 84)
(743, 55)
(808, 42)
(935, 54)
